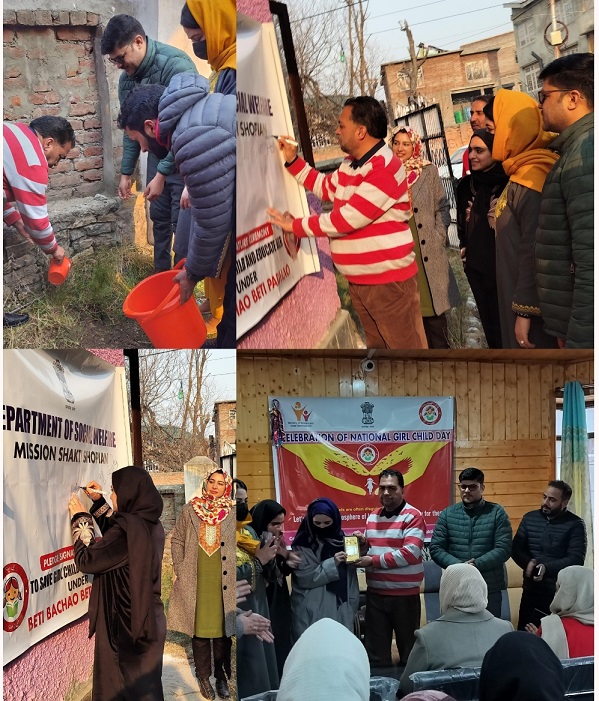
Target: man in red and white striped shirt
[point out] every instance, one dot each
(394, 538)
(29, 150)
(368, 229)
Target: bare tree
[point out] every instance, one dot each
(363, 65)
(177, 400)
(414, 68)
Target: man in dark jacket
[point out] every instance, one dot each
(199, 128)
(564, 246)
(477, 532)
(547, 541)
(145, 61)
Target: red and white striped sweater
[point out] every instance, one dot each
(25, 183)
(371, 242)
(395, 545)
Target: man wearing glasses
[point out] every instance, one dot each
(145, 61)
(564, 244)
(477, 532)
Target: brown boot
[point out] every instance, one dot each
(206, 689)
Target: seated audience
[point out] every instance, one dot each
(521, 667)
(463, 633)
(328, 663)
(570, 628)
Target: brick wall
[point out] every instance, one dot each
(49, 69)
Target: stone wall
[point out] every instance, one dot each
(83, 226)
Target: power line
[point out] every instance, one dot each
(439, 19)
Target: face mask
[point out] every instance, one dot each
(242, 511)
(200, 49)
(155, 148)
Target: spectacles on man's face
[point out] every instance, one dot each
(544, 94)
(469, 487)
(120, 59)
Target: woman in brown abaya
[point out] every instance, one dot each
(125, 610)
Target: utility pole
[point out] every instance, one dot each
(555, 33)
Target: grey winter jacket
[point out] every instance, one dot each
(160, 64)
(200, 128)
(564, 243)
(483, 533)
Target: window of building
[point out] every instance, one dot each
(477, 70)
(567, 11)
(232, 417)
(525, 31)
(403, 79)
(570, 50)
(532, 84)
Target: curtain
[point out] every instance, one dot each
(575, 459)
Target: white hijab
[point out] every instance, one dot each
(327, 663)
(574, 598)
(463, 588)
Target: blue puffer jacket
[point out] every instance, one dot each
(483, 533)
(201, 127)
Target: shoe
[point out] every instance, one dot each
(11, 320)
(204, 306)
(222, 689)
(206, 689)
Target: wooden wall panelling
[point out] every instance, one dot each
(261, 392)
(547, 402)
(448, 386)
(423, 374)
(345, 379)
(331, 380)
(384, 375)
(436, 385)
(535, 401)
(461, 385)
(247, 425)
(358, 387)
(511, 402)
(411, 378)
(498, 396)
(316, 383)
(487, 405)
(398, 378)
(523, 401)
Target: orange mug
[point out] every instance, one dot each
(57, 272)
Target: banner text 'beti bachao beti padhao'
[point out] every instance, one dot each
(337, 448)
(268, 262)
(64, 424)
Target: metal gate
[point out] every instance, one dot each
(429, 125)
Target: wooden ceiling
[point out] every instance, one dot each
(527, 357)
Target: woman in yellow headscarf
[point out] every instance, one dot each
(521, 146)
(211, 26)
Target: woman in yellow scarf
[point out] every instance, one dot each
(521, 145)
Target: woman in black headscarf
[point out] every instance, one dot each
(322, 586)
(477, 196)
(125, 610)
(264, 567)
(521, 667)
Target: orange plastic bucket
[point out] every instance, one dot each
(57, 272)
(155, 304)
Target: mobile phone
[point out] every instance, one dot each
(266, 537)
(537, 571)
(351, 547)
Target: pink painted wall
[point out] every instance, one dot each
(52, 668)
(303, 317)
(114, 357)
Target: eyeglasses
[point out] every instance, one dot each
(543, 95)
(120, 59)
(469, 487)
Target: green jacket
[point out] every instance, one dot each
(564, 244)
(483, 533)
(160, 64)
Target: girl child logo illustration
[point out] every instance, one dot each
(12, 598)
(15, 596)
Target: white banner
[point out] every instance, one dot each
(65, 421)
(269, 263)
